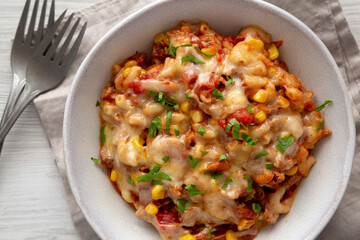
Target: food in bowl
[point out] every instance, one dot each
(212, 138)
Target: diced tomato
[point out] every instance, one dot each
(222, 123)
(242, 115)
(136, 86)
(167, 218)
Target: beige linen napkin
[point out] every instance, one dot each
(324, 17)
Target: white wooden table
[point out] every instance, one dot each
(32, 198)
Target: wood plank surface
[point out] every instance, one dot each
(32, 199)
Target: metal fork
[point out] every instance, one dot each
(46, 68)
(23, 48)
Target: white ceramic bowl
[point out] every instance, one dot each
(306, 56)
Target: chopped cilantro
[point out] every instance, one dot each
(206, 55)
(190, 58)
(321, 107)
(211, 231)
(188, 96)
(177, 131)
(216, 93)
(102, 135)
(97, 103)
(204, 152)
(154, 173)
(256, 207)
(229, 81)
(249, 108)
(131, 182)
(168, 121)
(181, 205)
(97, 160)
(214, 174)
(243, 126)
(200, 130)
(151, 92)
(320, 125)
(222, 158)
(250, 182)
(226, 183)
(261, 154)
(165, 159)
(269, 166)
(193, 191)
(154, 126)
(193, 161)
(172, 49)
(284, 143)
(156, 182)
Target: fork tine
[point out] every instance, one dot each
(49, 35)
(52, 14)
(30, 32)
(40, 30)
(50, 52)
(19, 36)
(72, 53)
(62, 51)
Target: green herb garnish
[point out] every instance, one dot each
(261, 154)
(188, 96)
(284, 143)
(204, 152)
(131, 182)
(250, 182)
(321, 107)
(249, 140)
(200, 130)
(229, 81)
(150, 92)
(154, 126)
(226, 183)
(172, 49)
(97, 103)
(243, 126)
(249, 108)
(206, 55)
(168, 121)
(177, 131)
(214, 174)
(193, 161)
(181, 205)
(228, 127)
(97, 160)
(222, 158)
(102, 135)
(154, 173)
(320, 125)
(256, 207)
(156, 182)
(191, 58)
(269, 166)
(193, 191)
(216, 93)
(161, 98)
(211, 231)
(165, 159)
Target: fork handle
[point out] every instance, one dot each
(26, 96)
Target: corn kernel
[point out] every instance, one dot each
(137, 142)
(130, 63)
(188, 237)
(196, 116)
(260, 116)
(256, 43)
(185, 107)
(210, 51)
(143, 71)
(115, 69)
(261, 96)
(126, 71)
(283, 102)
(273, 52)
(159, 37)
(152, 209)
(114, 175)
(245, 224)
(291, 171)
(158, 192)
(166, 40)
(230, 235)
(134, 177)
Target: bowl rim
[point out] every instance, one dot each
(265, 6)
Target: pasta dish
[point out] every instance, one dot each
(211, 136)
